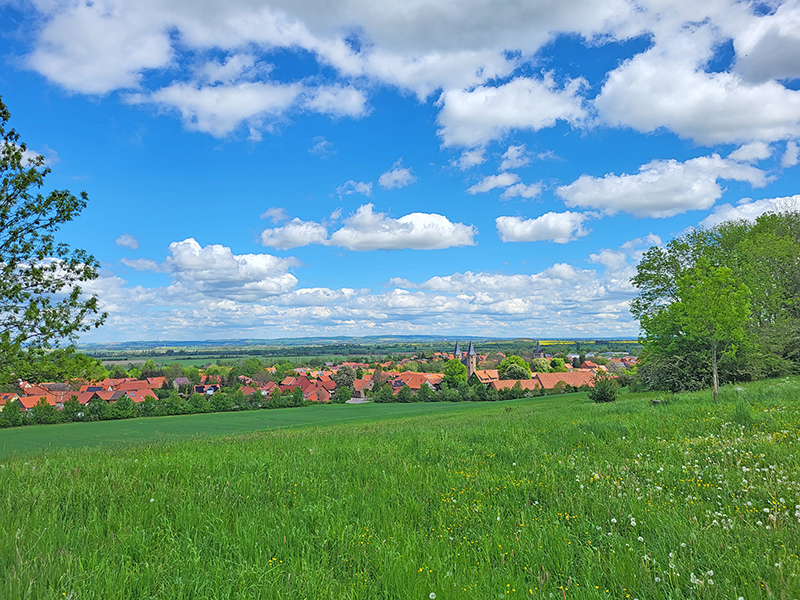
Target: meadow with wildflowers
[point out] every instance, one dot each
(552, 497)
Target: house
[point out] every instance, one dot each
(360, 387)
(6, 398)
(155, 383)
(576, 379)
(179, 381)
(487, 376)
(525, 384)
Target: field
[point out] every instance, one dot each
(552, 497)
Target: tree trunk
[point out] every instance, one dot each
(714, 369)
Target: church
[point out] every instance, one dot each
(470, 360)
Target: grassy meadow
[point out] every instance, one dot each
(552, 497)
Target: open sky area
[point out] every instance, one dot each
(273, 169)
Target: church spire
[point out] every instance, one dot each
(457, 352)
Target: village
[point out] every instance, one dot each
(347, 381)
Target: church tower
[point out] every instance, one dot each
(457, 352)
(472, 361)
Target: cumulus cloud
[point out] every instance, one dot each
(769, 47)
(667, 87)
(661, 188)
(789, 158)
(368, 230)
(355, 187)
(470, 158)
(515, 157)
(520, 190)
(126, 240)
(294, 234)
(749, 209)
(491, 182)
(215, 271)
(336, 100)
(560, 228)
(219, 110)
(397, 177)
(476, 117)
(751, 153)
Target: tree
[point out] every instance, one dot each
(557, 366)
(713, 308)
(41, 299)
(406, 394)
(454, 373)
(344, 376)
(540, 365)
(13, 413)
(45, 413)
(72, 410)
(343, 394)
(124, 408)
(605, 388)
(506, 371)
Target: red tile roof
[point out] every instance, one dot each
(575, 379)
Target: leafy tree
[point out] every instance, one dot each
(405, 394)
(124, 408)
(13, 413)
(557, 366)
(454, 373)
(343, 394)
(192, 374)
(45, 413)
(58, 365)
(503, 369)
(197, 403)
(344, 376)
(426, 394)
(99, 410)
(605, 388)
(72, 410)
(150, 369)
(540, 365)
(713, 308)
(41, 299)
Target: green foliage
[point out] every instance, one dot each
(734, 286)
(41, 299)
(12, 413)
(540, 365)
(45, 413)
(454, 373)
(557, 365)
(192, 374)
(99, 410)
(506, 370)
(343, 394)
(344, 376)
(605, 388)
(72, 411)
(124, 408)
(405, 394)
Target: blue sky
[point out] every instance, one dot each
(273, 169)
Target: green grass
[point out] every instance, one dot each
(506, 500)
(113, 434)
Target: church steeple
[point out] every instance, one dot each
(472, 360)
(457, 352)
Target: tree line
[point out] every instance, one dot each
(721, 304)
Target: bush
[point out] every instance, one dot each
(605, 388)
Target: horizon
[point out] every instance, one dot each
(274, 170)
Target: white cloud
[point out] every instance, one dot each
(355, 187)
(515, 157)
(661, 188)
(769, 48)
(789, 158)
(235, 67)
(520, 190)
(667, 86)
(322, 147)
(470, 158)
(126, 240)
(486, 113)
(143, 264)
(336, 100)
(750, 209)
(491, 182)
(294, 234)
(220, 109)
(276, 214)
(397, 177)
(751, 152)
(215, 271)
(368, 230)
(560, 228)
